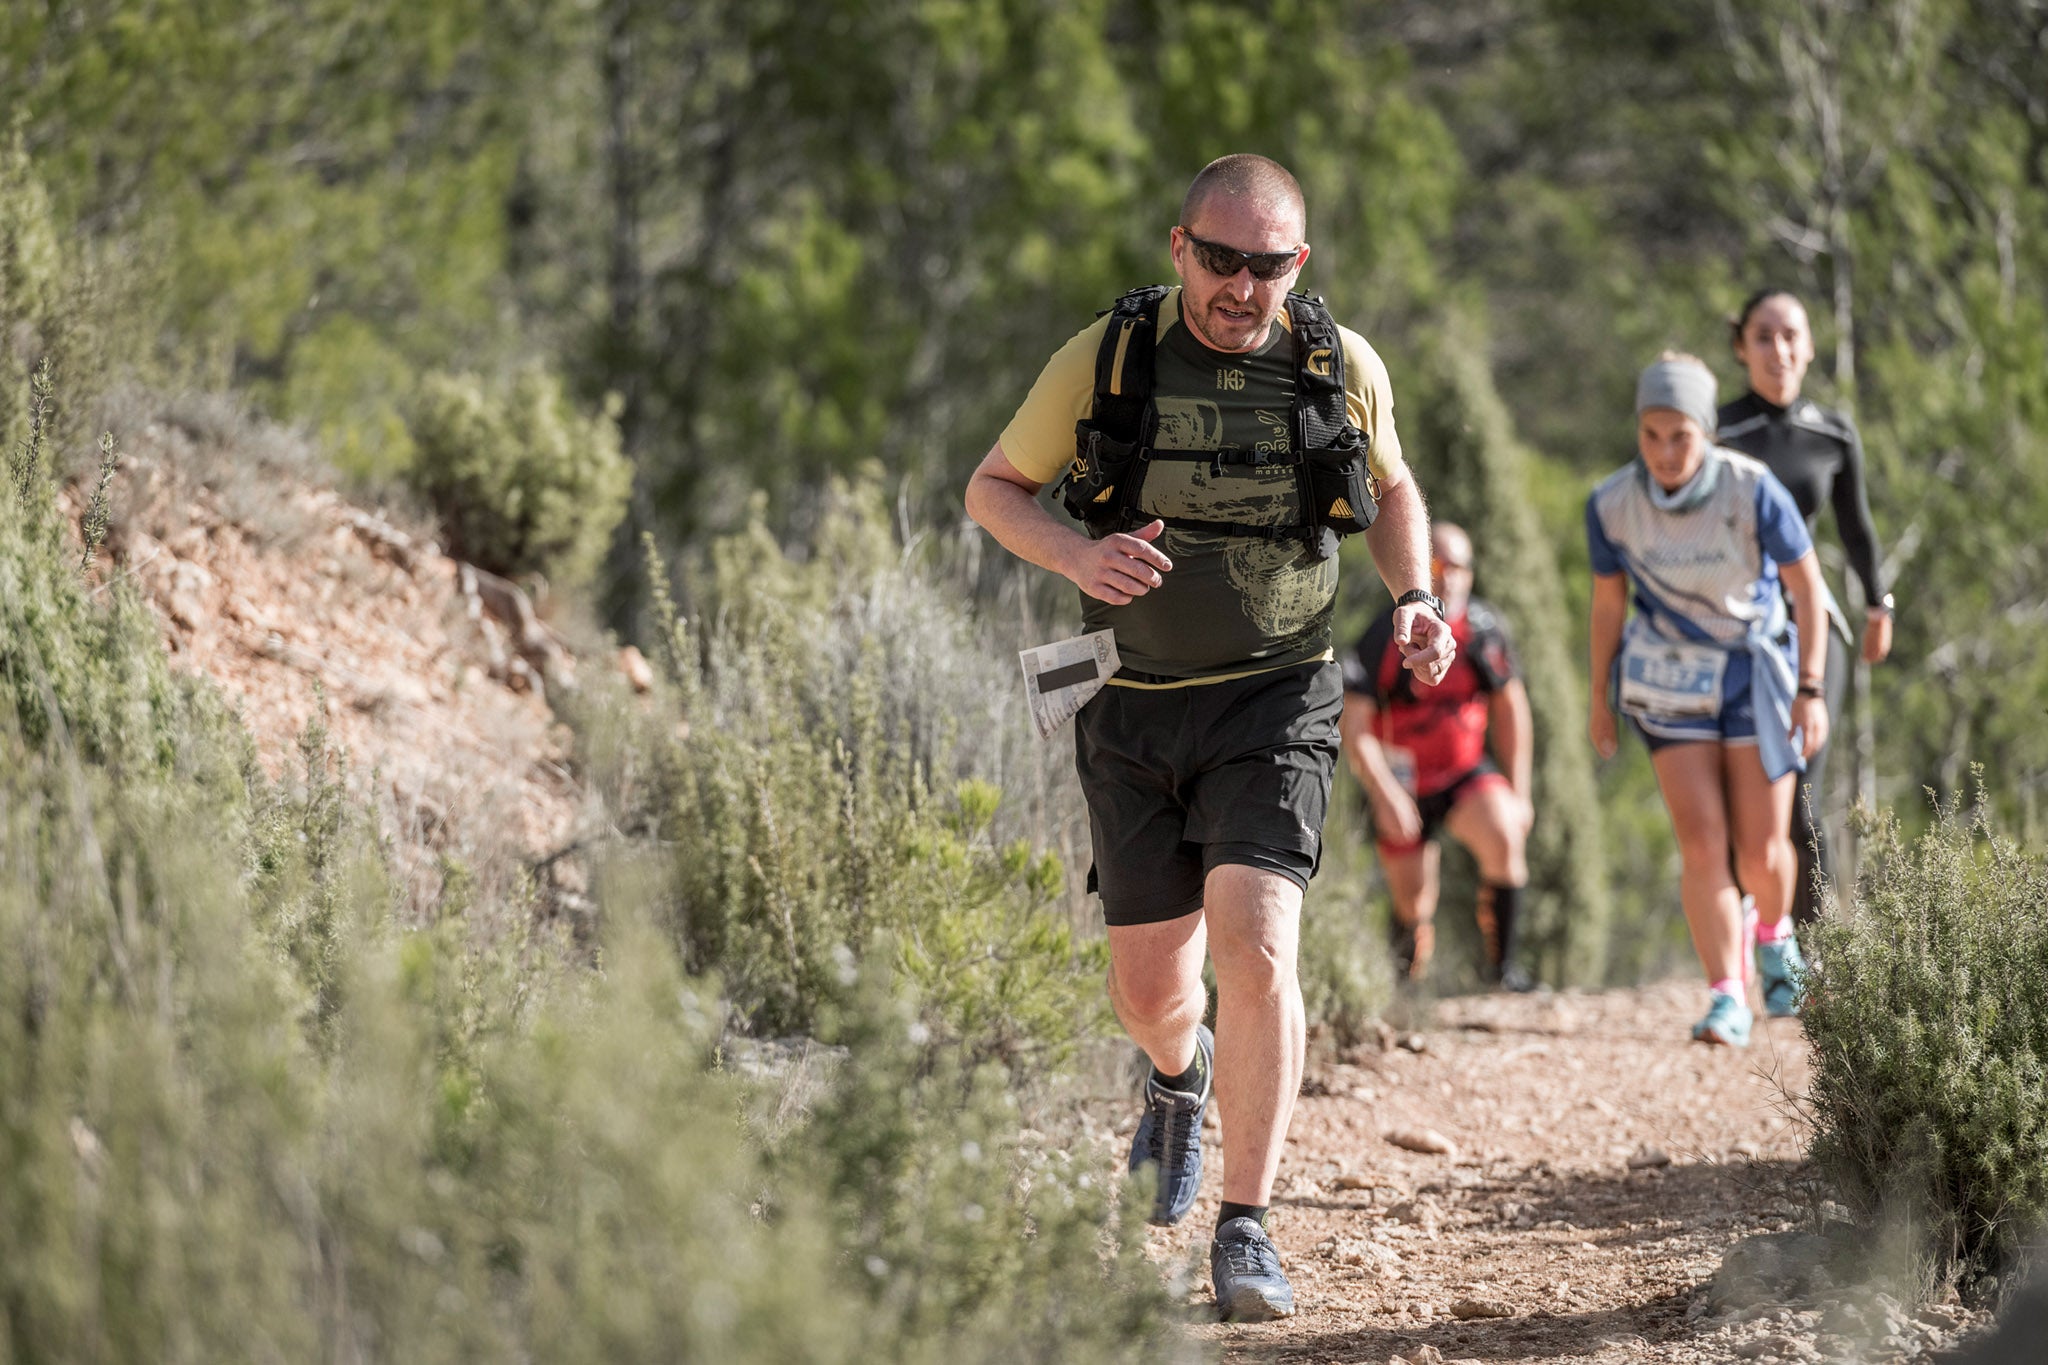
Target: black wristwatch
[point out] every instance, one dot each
(1426, 598)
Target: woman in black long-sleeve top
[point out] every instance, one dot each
(1817, 454)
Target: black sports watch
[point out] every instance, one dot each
(1426, 598)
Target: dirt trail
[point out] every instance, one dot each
(1602, 1164)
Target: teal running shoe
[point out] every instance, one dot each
(1727, 1022)
(1783, 972)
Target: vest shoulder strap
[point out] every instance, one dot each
(1319, 406)
(1123, 364)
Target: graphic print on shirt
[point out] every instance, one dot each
(1188, 424)
(1283, 593)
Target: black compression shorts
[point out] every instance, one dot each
(1181, 780)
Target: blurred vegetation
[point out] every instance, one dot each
(521, 482)
(760, 282)
(1928, 1013)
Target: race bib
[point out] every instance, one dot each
(1675, 681)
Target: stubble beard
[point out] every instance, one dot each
(1202, 319)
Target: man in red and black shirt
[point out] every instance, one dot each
(1421, 752)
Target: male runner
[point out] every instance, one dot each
(1420, 752)
(1207, 761)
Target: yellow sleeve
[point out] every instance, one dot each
(1369, 401)
(1039, 441)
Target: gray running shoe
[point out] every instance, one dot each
(1245, 1266)
(1169, 1137)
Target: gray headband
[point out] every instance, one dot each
(1684, 387)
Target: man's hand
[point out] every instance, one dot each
(1524, 814)
(1121, 567)
(1877, 637)
(1426, 643)
(1395, 817)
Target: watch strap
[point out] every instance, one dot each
(1426, 598)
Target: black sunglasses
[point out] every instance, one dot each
(1226, 261)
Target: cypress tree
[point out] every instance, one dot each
(1478, 474)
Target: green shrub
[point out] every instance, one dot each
(32, 275)
(969, 1237)
(804, 782)
(1347, 979)
(1928, 1015)
(62, 303)
(522, 482)
(249, 1115)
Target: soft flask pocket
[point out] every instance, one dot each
(1093, 489)
(1340, 482)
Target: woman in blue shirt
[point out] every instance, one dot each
(1727, 694)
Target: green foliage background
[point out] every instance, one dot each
(519, 481)
(785, 240)
(800, 261)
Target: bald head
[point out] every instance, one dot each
(1450, 553)
(1251, 179)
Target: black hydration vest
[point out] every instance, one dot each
(1113, 446)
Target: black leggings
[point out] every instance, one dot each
(1809, 840)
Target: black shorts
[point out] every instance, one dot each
(1180, 780)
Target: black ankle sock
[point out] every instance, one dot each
(1189, 1082)
(1255, 1212)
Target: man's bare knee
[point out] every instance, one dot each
(1262, 964)
(1254, 921)
(1153, 993)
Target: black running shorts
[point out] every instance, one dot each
(1183, 779)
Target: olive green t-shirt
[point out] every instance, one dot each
(1230, 602)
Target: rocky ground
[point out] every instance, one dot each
(1593, 1169)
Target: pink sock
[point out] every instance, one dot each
(1771, 933)
(1727, 985)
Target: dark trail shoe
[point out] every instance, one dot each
(1169, 1137)
(1245, 1266)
